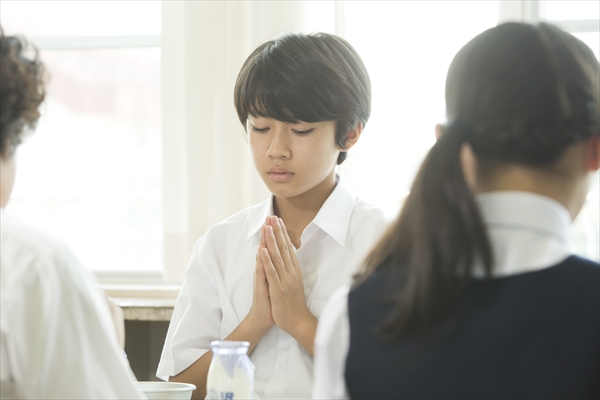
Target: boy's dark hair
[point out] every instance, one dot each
(517, 94)
(21, 91)
(309, 78)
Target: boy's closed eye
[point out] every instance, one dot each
(296, 131)
(304, 132)
(259, 130)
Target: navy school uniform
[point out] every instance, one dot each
(533, 335)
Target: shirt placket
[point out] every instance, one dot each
(305, 258)
(285, 340)
(283, 350)
(284, 344)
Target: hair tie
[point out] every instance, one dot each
(459, 129)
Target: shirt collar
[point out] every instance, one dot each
(542, 220)
(258, 220)
(333, 217)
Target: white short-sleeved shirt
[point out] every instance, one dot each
(57, 337)
(528, 232)
(217, 293)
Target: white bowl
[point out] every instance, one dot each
(167, 390)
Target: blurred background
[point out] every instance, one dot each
(139, 150)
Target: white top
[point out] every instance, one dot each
(57, 337)
(528, 232)
(217, 293)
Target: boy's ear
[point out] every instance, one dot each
(353, 136)
(592, 155)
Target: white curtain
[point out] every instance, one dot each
(207, 171)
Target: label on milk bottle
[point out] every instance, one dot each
(223, 395)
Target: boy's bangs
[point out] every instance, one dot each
(263, 102)
(272, 96)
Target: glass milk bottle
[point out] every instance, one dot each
(231, 373)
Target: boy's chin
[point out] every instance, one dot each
(284, 190)
(283, 193)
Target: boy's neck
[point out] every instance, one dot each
(297, 212)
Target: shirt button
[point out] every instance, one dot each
(282, 366)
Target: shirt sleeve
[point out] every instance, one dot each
(61, 342)
(196, 319)
(331, 348)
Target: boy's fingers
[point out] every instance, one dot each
(290, 246)
(262, 237)
(262, 243)
(282, 244)
(275, 256)
(268, 267)
(260, 268)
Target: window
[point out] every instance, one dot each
(580, 18)
(91, 172)
(416, 42)
(139, 150)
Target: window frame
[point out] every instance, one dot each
(147, 277)
(182, 225)
(95, 42)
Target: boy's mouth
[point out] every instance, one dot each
(279, 174)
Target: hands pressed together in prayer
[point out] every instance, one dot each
(279, 288)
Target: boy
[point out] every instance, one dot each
(264, 274)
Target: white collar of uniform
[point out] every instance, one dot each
(333, 217)
(259, 219)
(528, 232)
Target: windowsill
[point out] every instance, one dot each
(144, 302)
(131, 278)
(141, 309)
(146, 291)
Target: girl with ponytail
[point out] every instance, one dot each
(473, 292)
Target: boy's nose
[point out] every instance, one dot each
(278, 147)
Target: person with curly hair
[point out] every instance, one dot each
(57, 334)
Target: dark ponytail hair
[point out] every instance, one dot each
(517, 93)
